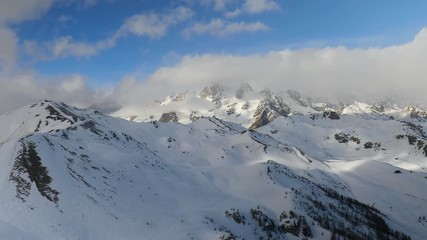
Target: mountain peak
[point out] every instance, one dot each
(415, 112)
(242, 90)
(43, 116)
(213, 92)
(269, 108)
(253, 108)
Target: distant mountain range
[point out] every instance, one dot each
(222, 163)
(254, 109)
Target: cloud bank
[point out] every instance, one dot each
(365, 74)
(24, 88)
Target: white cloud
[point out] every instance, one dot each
(333, 71)
(71, 89)
(73, 84)
(20, 86)
(234, 13)
(151, 25)
(64, 47)
(397, 70)
(254, 7)
(221, 28)
(217, 5)
(20, 10)
(81, 4)
(220, 4)
(234, 8)
(154, 25)
(259, 6)
(90, 3)
(14, 12)
(8, 48)
(64, 19)
(24, 88)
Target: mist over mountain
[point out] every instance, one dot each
(253, 107)
(330, 74)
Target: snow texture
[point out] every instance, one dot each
(314, 171)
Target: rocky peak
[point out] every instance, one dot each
(298, 98)
(331, 115)
(321, 107)
(378, 108)
(242, 90)
(176, 97)
(62, 112)
(384, 105)
(268, 109)
(213, 92)
(169, 117)
(411, 108)
(415, 112)
(153, 103)
(40, 117)
(266, 93)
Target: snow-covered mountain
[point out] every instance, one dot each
(253, 109)
(251, 165)
(241, 105)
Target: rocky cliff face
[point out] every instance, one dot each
(268, 109)
(169, 117)
(243, 90)
(213, 93)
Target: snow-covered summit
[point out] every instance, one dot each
(43, 116)
(255, 108)
(242, 105)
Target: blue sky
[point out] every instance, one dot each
(284, 24)
(131, 51)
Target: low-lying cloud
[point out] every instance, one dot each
(24, 88)
(365, 74)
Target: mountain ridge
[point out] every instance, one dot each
(254, 109)
(211, 178)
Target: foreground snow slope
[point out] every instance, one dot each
(83, 175)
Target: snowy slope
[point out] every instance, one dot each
(68, 173)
